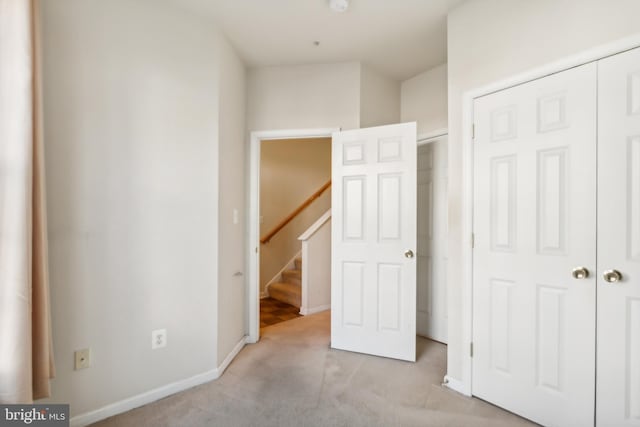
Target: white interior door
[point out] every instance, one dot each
(534, 222)
(373, 277)
(618, 381)
(432, 240)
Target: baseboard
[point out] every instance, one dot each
(456, 385)
(155, 394)
(232, 355)
(307, 311)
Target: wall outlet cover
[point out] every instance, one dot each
(82, 358)
(158, 338)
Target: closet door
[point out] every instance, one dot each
(534, 226)
(431, 256)
(618, 373)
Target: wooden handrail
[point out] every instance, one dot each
(295, 213)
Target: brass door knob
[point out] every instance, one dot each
(612, 276)
(580, 273)
(408, 253)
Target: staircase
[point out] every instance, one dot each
(289, 288)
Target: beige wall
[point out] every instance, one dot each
(317, 270)
(379, 99)
(231, 176)
(131, 109)
(424, 100)
(291, 171)
(346, 95)
(490, 40)
(304, 96)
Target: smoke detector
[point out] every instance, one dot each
(339, 5)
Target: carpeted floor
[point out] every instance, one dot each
(292, 378)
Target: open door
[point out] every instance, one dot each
(373, 277)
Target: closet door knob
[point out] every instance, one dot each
(408, 253)
(612, 276)
(580, 273)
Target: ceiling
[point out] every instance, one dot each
(399, 38)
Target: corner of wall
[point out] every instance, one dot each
(379, 98)
(231, 209)
(424, 100)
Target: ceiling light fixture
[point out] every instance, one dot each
(339, 5)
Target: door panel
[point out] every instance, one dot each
(432, 240)
(534, 222)
(373, 292)
(618, 381)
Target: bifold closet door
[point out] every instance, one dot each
(535, 227)
(618, 373)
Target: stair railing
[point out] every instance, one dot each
(267, 237)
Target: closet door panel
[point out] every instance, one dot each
(534, 222)
(618, 327)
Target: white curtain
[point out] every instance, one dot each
(26, 357)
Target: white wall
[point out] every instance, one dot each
(131, 108)
(490, 40)
(424, 100)
(305, 96)
(379, 99)
(231, 175)
(316, 270)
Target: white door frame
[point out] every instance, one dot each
(253, 218)
(463, 384)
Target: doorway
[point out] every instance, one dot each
(431, 302)
(295, 191)
(432, 228)
(254, 226)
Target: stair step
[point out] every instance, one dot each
(293, 276)
(298, 263)
(286, 292)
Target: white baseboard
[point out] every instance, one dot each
(155, 394)
(232, 355)
(456, 385)
(307, 311)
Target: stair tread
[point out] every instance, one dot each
(293, 272)
(287, 287)
(286, 292)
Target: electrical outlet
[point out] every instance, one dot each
(82, 358)
(158, 338)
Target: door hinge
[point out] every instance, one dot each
(471, 349)
(473, 240)
(473, 131)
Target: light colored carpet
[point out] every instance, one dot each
(292, 378)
